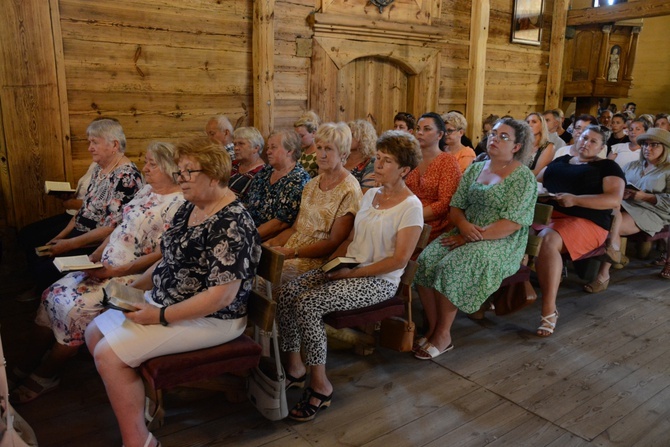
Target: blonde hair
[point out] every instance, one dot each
(337, 134)
(309, 120)
(364, 132)
(544, 133)
(455, 119)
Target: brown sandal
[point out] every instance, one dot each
(596, 286)
(665, 273)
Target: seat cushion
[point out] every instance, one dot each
(521, 275)
(393, 307)
(644, 237)
(171, 370)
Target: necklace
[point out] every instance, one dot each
(496, 170)
(336, 181)
(196, 220)
(104, 175)
(383, 199)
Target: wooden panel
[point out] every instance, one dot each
(651, 83)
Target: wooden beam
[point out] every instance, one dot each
(622, 11)
(263, 56)
(552, 97)
(479, 35)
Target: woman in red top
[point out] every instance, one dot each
(436, 178)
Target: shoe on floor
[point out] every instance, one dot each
(596, 286)
(33, 387)
(429, 351)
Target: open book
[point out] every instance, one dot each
(121, 297)
(72, 263)
(338, 263)
(58, 187)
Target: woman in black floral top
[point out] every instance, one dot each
(114, 182)
(200, 287)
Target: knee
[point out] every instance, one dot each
(551, 242)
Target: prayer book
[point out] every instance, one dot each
(43, 250)
(633, 187)
(338, 263)
(121, 297)
(58, 188)
(72, 263)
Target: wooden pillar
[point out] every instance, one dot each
(603, 56)
(632, 52)
(263, 43)
(553, 95)
(35, 144)
(479, 34)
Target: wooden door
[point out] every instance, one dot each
(371, 88)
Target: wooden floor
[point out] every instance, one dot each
(603, 379)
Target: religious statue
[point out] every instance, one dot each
(613, 72)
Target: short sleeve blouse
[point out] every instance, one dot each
(225, 247)
(106, 196)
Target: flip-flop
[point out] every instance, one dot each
(429, 351)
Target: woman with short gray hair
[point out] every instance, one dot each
(248, 145)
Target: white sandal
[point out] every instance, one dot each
(546, 325)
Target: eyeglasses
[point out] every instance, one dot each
(450, 131)
(652, 145)
(502, 136)
(185, 174)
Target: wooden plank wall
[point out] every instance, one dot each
(516, 75)
(162, 67)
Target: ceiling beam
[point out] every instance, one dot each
(622, 11)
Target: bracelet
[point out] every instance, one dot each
(162, 316)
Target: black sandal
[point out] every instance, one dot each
(295, 382)
(305, 410)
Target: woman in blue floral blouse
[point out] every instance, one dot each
(273, 199)
(198, 291)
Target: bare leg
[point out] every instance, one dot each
(446, 311)
(622, 225)
(428, 299)
(295, 366)
(549, 266)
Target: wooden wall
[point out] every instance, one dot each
(162, 67)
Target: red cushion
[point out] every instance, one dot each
(393, 307)
(644, 237)
(171, 370)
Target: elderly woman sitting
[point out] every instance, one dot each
(114, 182)
(492, 210)
(386, 230)
(361, 160)
(273, 199)
(248, 145)
(587, 188)
(72, 302)
(197, 293)
(646, 199)
(327, 209)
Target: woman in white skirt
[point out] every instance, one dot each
(198, 291)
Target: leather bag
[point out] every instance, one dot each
(397, 333)
(267, 384)
(513, 297)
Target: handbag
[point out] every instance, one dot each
(267, 384)
(14, 430)
(513, 297)
(397, 333)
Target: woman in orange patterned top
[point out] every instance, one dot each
(436, 178)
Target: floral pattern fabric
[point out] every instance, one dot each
(363, 170)
(74, 301)
(281, 200)
(469, 274)
(308, 161)
(106, 196)
(318, 212)
(435, 187)
(225, 247)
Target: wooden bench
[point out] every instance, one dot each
(237, 356)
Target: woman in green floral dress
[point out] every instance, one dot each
(491, 210)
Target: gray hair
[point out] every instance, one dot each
(108, 128)
(290, 140)
(223, 123)
(163, 154)
(252, 135)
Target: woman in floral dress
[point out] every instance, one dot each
(491, 210)
(327, 209)
(72, 302)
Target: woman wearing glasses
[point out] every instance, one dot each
(455, 127)
(436, 178)
(491, 210)
(73, 301)
(646, 198)
(197, 293)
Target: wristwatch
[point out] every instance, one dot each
(162, 316)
